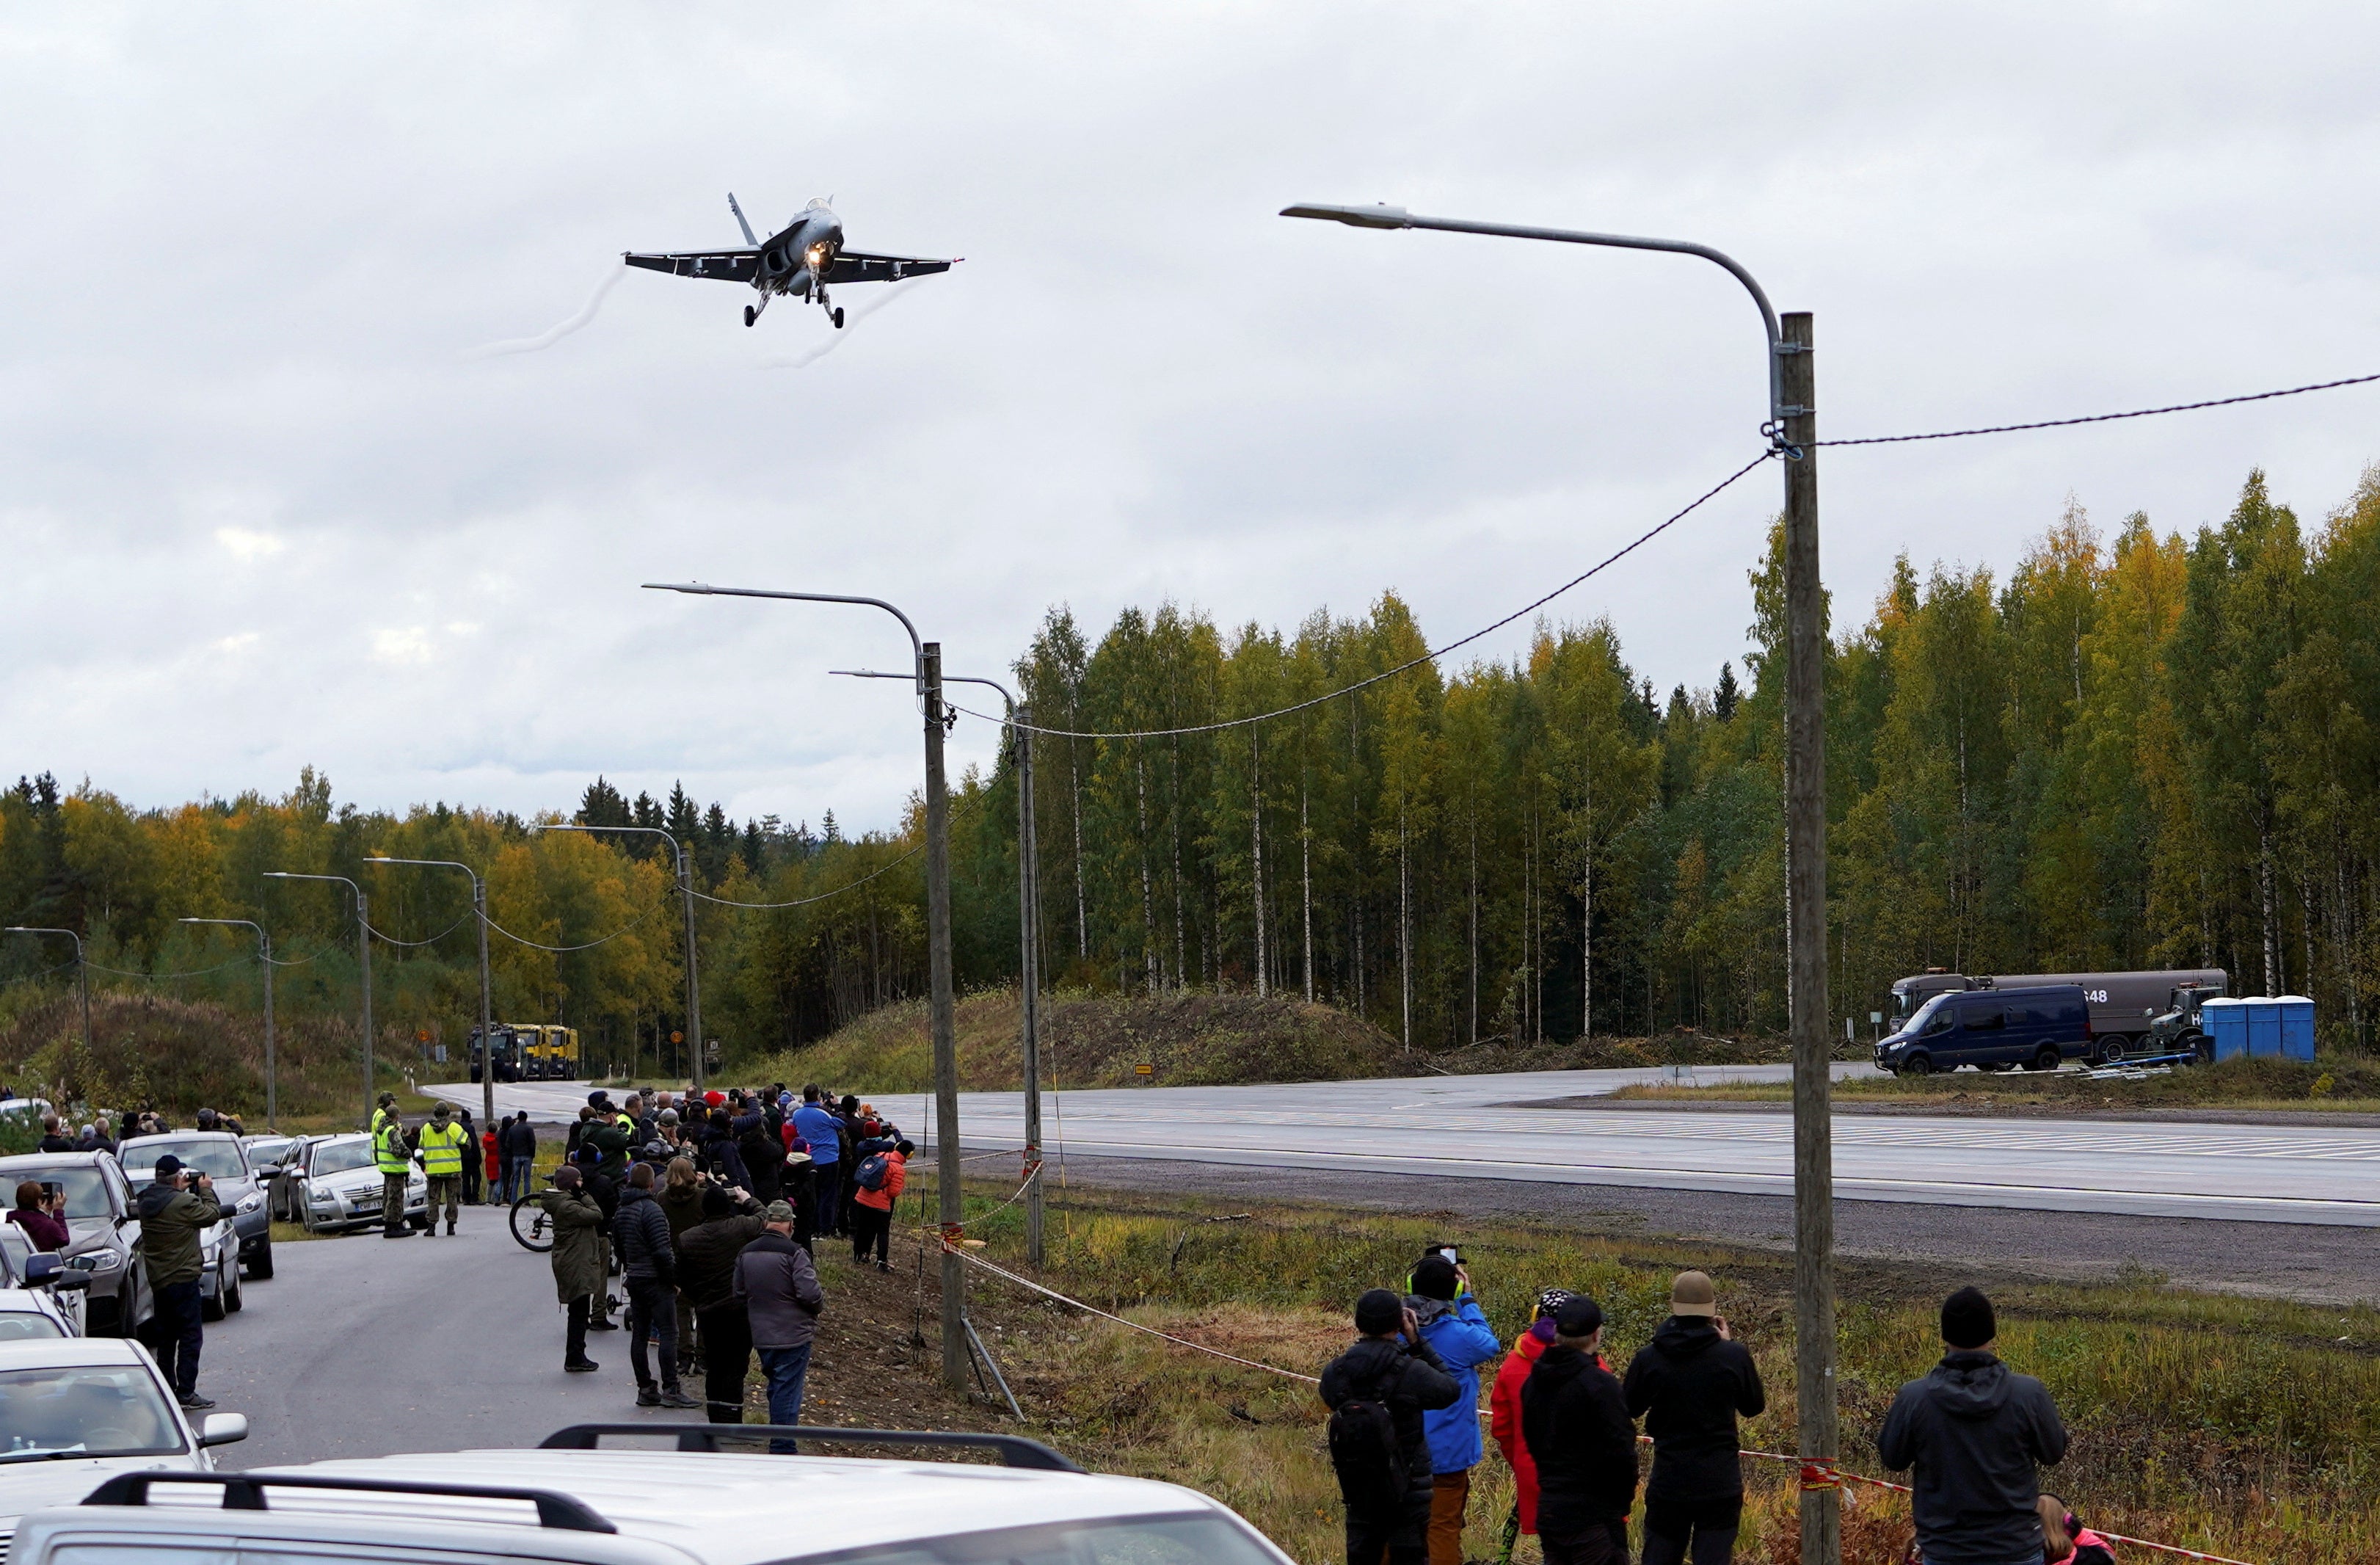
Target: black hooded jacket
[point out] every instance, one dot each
(1688, 1384)
(1410, 1379)
(1580, 1435)
(1973, 1432)
(640, 1237)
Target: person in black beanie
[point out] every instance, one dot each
(1392, 1366)
(1974, 1434)
(1579, 1433)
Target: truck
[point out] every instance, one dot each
(510, 1066)
(2182, 1030)
(549, 1053)
(2124, 1006)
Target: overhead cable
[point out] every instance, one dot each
(2103, 417)
(1431, 656)
(805, 901)
(563, 950)
(391, 939)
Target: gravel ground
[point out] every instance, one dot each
(2317, 1263)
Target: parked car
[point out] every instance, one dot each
(1995, 1029)
(277, 1188)
(336, 1184)
(219, 1155)
(39, 1294)
(629, 1507)
(264, 1156)
(105, 1232)
(75, 1412)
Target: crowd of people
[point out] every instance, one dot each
(107, 1128)
(1404, 1433)
(706, 1208)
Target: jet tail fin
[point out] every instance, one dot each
(740, 223)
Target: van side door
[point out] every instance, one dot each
(1982, 1038)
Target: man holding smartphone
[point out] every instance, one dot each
(1690, 1383)
(174, 1210)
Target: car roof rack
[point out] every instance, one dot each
(244, 1491)
(1015, 1450)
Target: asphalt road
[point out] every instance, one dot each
(363, 1346)
(1507, 1127)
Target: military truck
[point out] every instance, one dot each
(2125, 1007)
(2181, 1030)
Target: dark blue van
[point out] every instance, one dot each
(2033, 1029)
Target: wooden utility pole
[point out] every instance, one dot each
(953, 1199)
(1028, 915)
(1805, 940)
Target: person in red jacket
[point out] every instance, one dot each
(495, 1164)
(872, 1213)
(1504, 1413)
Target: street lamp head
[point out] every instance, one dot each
(1380, 215)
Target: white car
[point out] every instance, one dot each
(37, 1308)
(75, 1412)
(334, 1183)
(649, 1506)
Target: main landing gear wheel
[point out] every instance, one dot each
(837, 313)
(749, 314)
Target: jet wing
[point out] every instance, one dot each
(732, 266)
(857, 266)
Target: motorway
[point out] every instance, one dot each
(1512, 1127)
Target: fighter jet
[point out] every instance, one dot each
(803, 259)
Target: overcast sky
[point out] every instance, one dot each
(261, 504)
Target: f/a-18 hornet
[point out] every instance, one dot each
(803, 259)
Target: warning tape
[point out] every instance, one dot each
(1815, 1474)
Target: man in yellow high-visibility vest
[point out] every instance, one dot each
(443, 1144)
(395, 1160)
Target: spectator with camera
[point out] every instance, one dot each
(174, 1211)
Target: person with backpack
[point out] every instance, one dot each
(1689, 1384)
(1974, 1434)
(1457, 1330)
(877, 1185)
(1378, 1392)
(1579, 1433)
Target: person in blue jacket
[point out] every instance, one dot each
(1457, 1331)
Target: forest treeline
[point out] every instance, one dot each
(2137, 749)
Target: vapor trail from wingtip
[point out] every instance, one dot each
(803, 361)
(554, 334)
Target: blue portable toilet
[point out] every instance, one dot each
(2297, 1027)
(2226, 1021)
(2264, 1027)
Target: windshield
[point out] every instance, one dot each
(1203, 1539)
(268, 1150)
(86, 1409)
(339, 1157)
(1927, 1015)
(217, 1160)
(26, 1326)
(85, 1186)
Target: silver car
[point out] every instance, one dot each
(218, 1154)
(39, 1296)
(105, 1232)
(333, 1185)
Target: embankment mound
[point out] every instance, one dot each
(1091, 1040)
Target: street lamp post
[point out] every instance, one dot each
(264, 957)
(1793, 427)
(1028, 921)
(685, 893)
(363, 966)
(953, 1209)
(82, 972)
(486, 1000)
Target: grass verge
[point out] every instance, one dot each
(2332, 1086)
(2245, 1427)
